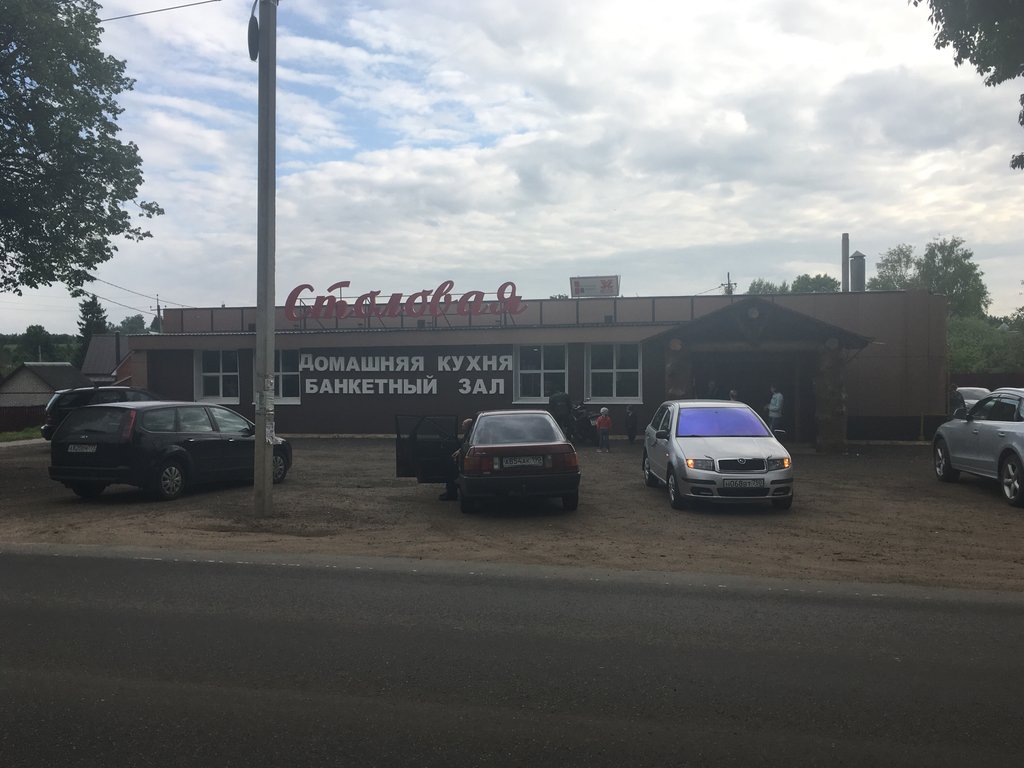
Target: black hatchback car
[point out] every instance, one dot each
(160, 446)
(64, 401)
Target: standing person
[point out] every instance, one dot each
(630, 423)
(604, 427)
(560, 407)
(775, 408)
(451, 486)
(956, 400)
(734, 395)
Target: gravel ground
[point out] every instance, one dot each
(874, 514)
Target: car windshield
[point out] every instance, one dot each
(105, 421)
(511, 428)
(720, 422)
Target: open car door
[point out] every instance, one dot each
(424, 446)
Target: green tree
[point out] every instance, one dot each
(1016, 320)
(817, 284)
(762, 286)
(37, 344)
(948, 268)
(976, 345)
(896, 270)
(989, 35)
(92, 319)
(132, 324)
(67, 178)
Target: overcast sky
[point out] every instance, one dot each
(671, 143)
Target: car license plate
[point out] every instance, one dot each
(752, 483)
(81, 448)
(523, 461)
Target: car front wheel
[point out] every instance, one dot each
(783, 502)
(943, 466)
(169, 481)
(675, 497)
(1010, 478)
(650, 480)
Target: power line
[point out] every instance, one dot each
(126, 306)
(158, 10)
(143, 295)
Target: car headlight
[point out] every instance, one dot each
(779, 463)
(708, 464)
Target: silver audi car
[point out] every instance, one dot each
(718, 451)
(986, 440)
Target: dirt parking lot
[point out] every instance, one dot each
(875, 514)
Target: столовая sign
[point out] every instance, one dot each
(435, 302)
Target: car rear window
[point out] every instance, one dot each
(94, 420)
(720, 422)
(513, 428)
(73, 399)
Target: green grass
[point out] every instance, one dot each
(28, 433)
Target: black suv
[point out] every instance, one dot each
(160, 446)
(64, 401)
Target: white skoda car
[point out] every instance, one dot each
(718, 451)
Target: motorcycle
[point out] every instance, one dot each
(583, 424)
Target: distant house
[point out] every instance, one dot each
(33, 384)
(107, 360)
(25, 393)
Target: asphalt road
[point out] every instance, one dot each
(261, 661)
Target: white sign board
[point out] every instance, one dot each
(594, 286)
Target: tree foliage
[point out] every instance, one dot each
(987, 33)
(762, 287)
(817, 284)
(977, 345)
(36, 343)
(948, 268)
(132, 324)
(67, 178)
(92, 319)
(896, 270)
(945, 268)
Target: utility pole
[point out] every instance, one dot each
(263, 47)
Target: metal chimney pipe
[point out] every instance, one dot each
(846, 262)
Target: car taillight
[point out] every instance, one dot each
(129, 424)
(562, 460)
(476, 463)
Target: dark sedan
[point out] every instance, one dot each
(162, 447)
(517, 453)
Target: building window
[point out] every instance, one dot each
(286, 376)
(613, 373)
(287, 387)
(540, 372)
(218, 376)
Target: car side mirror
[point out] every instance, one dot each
(661, 434)
(960, 413)
(780, 434)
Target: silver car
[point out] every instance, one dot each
(987, 440)
(718, 451)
